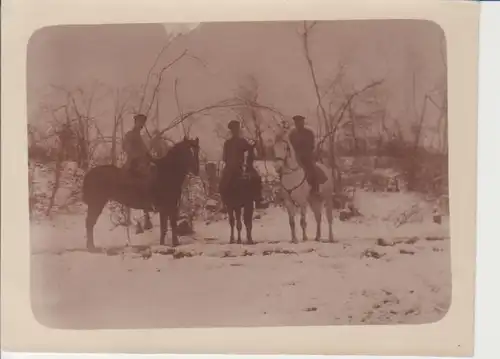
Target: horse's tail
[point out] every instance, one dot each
(98, 182)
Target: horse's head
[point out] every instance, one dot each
(282, 152)
(184, 156)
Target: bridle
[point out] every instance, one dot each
(288, 153)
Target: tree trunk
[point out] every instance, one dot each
(331, 140)
(113, 142)
(57, 179)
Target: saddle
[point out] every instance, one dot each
(137, 189)
(135, 180)
(239, 180)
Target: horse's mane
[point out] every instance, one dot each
(282, 136)
(172, 154)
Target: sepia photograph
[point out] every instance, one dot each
(238, 174)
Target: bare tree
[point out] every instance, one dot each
(79, 114)
(250, 116)
(155, 79)
(122, 98)
(439, 98)
(228, 104)
(64, 135)
(331, 116)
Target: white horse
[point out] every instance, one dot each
(296, 190)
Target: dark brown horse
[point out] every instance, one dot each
(110, 183)
(239, 195)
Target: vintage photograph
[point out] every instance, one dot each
(238, 174)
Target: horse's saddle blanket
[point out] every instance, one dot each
(320, 174)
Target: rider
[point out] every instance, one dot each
(138, 157)
(158, 145)
(233, 155)
(138, 162)
(302, 140)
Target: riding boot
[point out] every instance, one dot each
(314, 185)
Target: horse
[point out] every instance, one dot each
(239, 196)
(296, 190)
(110, 183)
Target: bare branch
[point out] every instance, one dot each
(335, 81)
(339, 114)
(179, 109)
(305, 44)
(199, 60)
(179, 119)
(260, 106)
(160, 78)
(225, 104)
(150, 72)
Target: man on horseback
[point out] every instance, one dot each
(138, 162)
(158, 146)
(302, 140)
(233, 156)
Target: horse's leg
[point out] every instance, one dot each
(291, 219)
(303, 222)
(128, 221)
(316, 207)
(230, 213)
(173, 225)
(239, 225)
(94, 210)
(147, 221)
(329, 217)
(248, 220)
(163, 226)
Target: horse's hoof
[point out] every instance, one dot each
(317, 239)
(231, 241)
(305, 239)
(92, 249)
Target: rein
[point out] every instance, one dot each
(291, 170)
(285, 159)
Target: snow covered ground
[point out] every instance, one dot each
(403, 278)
